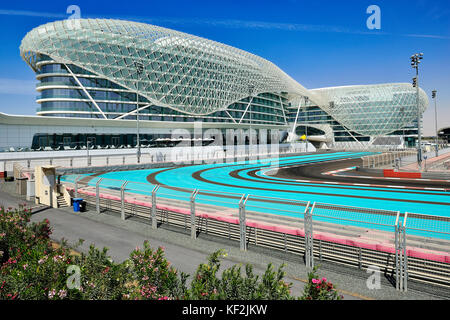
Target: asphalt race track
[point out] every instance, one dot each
(315, 172)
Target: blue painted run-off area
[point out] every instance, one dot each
(217, 178)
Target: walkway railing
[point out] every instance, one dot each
(389, 159)
(149, 156)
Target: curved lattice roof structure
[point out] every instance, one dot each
(180, 71)
(198, 76)
(374, 110)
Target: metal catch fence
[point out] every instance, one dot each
(353, 236)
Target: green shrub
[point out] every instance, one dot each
(32, 268)
(152, 277)
(206, 285)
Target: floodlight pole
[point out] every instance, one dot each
(402, 111)
(433, 95)
(419, 125)
(306, 121)
(250, 91)
(415, 60)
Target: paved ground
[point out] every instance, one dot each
(123, 236)
(410, 162)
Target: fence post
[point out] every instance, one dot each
(97, 195)
(153, 212)
(242, 223)
(309, 244)
(401, 258)
(405, 255)
(122, 200)
(76, 186)
(193, 219)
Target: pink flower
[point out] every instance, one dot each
(62, 294)
(51, 294)
(324, 279)
(315, 281)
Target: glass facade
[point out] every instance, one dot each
(62, 96)
(313, 115)
(374, 110)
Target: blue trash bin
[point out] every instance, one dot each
(76, 204)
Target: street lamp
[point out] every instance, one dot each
(88, 141)
(306, 121)
(402, 112)
(251, 88)
(415, 60)
(433, 95)
(139, 69)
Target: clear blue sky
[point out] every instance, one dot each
(319, 43)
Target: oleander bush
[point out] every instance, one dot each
(319, 288)
(32, 267)
(152, 277)
(206, 285)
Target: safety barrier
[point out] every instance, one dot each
(396, 174)
(393, 158)
(358, 237)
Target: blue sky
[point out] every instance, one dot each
(319, 43)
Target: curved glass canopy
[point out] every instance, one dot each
(170, 68)
(197, 76)
(374, 110)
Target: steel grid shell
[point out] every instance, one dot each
(187, 73)
(374, 110)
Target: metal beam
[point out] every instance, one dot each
(251, 100)
(230, 116)
(85, 91)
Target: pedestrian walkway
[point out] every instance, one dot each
(410, 162)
